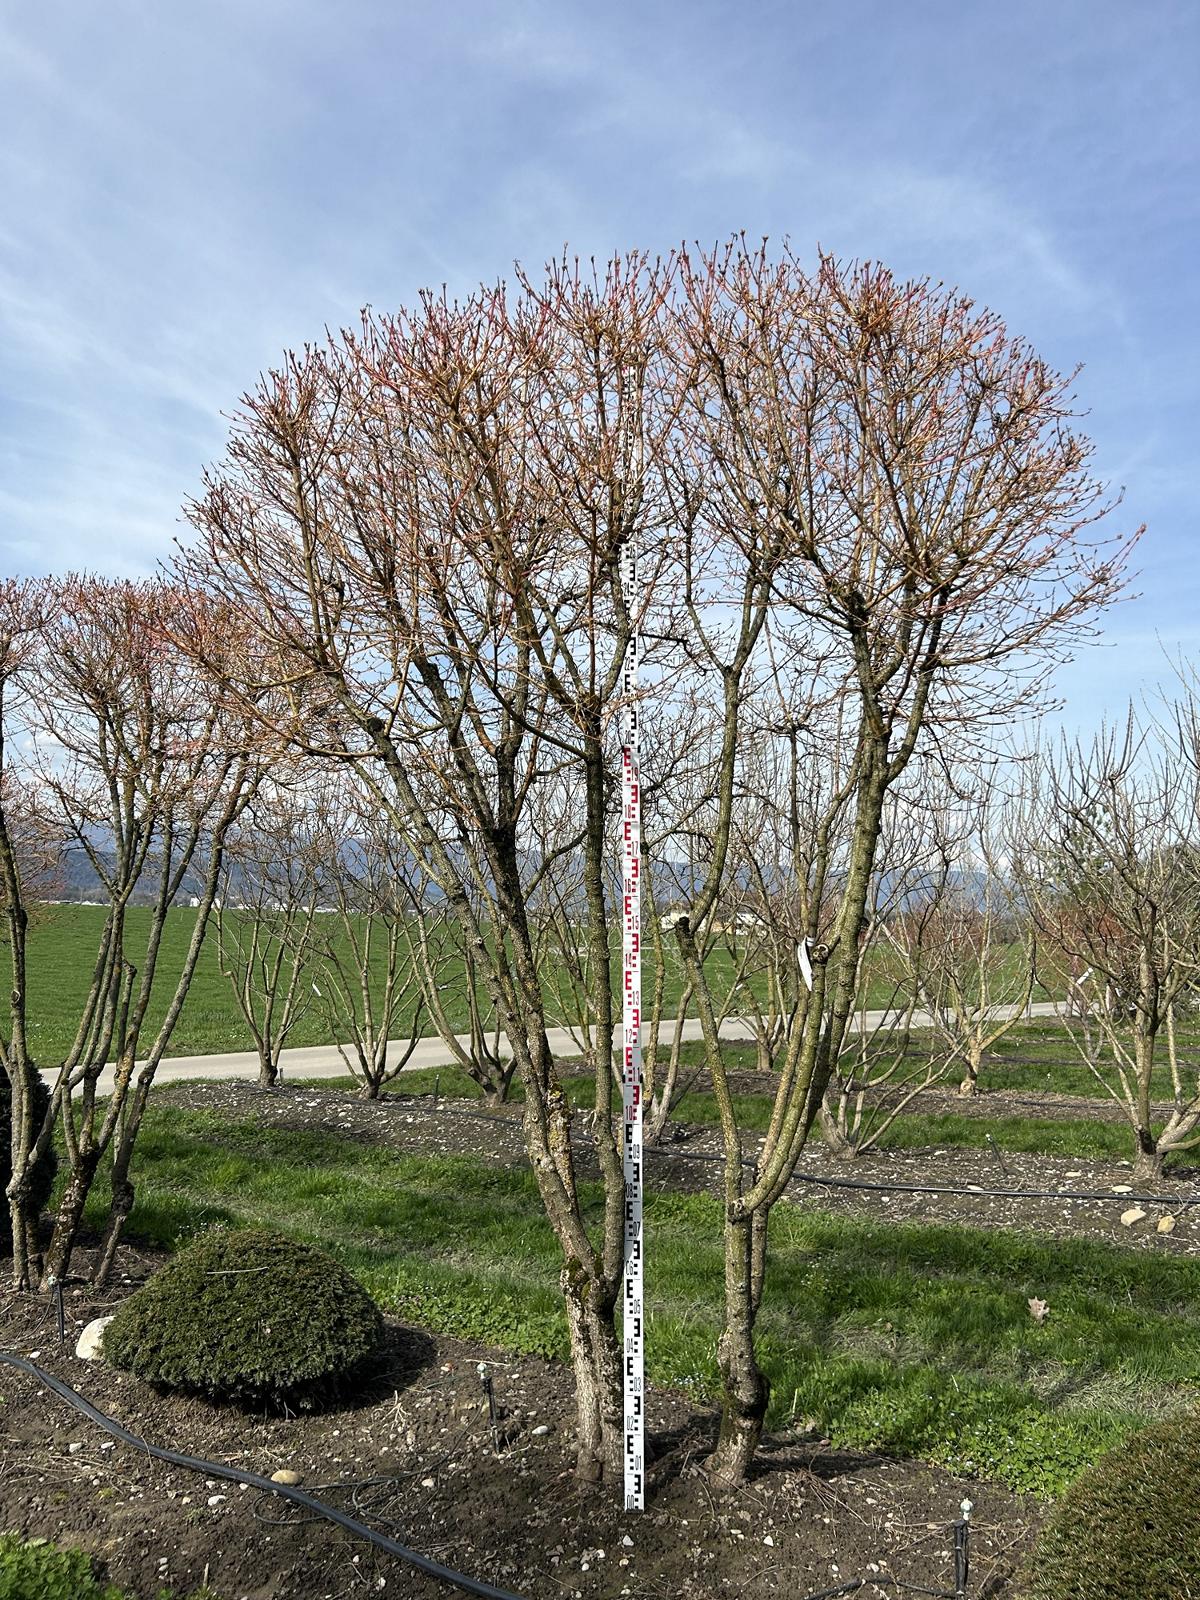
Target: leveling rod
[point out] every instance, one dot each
(631, 1073)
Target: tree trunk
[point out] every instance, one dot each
(1148, 1163)
(24, 1240)
(596, 1363)
(123, 1196)
(970, 1083)
(69, 1217)
(837, 1142)
(746, 1389)
(268, 1070)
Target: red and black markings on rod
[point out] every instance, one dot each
(631, 1076)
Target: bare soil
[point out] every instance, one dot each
(691, 1161)
(414, 1457)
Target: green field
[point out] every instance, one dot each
(62, 949)
(912, 1339)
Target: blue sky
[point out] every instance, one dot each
(187, 189)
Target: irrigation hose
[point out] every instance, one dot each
(216, 1469)
(976, 1191)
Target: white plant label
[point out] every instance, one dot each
(631, 1074)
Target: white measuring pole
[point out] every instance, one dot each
(631, 1074)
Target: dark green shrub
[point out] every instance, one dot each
(1129, 1527)
(43, 1172)
(250, 1315)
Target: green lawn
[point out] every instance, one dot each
(62, 948)
(912, 1339)
(62, 951)
(1078, 1138)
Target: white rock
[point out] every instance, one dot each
(1166, 1225)
(540, 1430)
(215, 1499)
(1134, 1214)
(91, 1340)
(286, 1475)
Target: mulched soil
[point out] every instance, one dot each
(414, 1455)
(692, 1163)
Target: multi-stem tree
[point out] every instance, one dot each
(847, 492)
(361, 968)
(25, 852)
(1111, 876)
(263, 921)
(423, 521)
(970, 950)
(904, 479)
(887, 1059)
(143, 769)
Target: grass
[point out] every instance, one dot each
(912, 1339)
(62, 951)
(1077, 1139)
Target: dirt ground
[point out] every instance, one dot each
(415, 1456)
(692, 1163)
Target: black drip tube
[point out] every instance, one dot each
(975, 1191)
(216, 1469)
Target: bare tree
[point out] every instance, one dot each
(141, 769)
(887, 1058)
(263, 922)
(24, 853)
(906, 480)
(848, 493)
(362, 972)
(1112, 878)
(423, 521)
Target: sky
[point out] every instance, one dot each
(189, 189)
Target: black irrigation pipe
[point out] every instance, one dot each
(976, 1191)
(217, 1469)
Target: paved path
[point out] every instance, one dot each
(323, 1061)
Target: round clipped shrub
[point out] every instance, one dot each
(1129, 1527)
(249, 1315)
(42, 1181)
